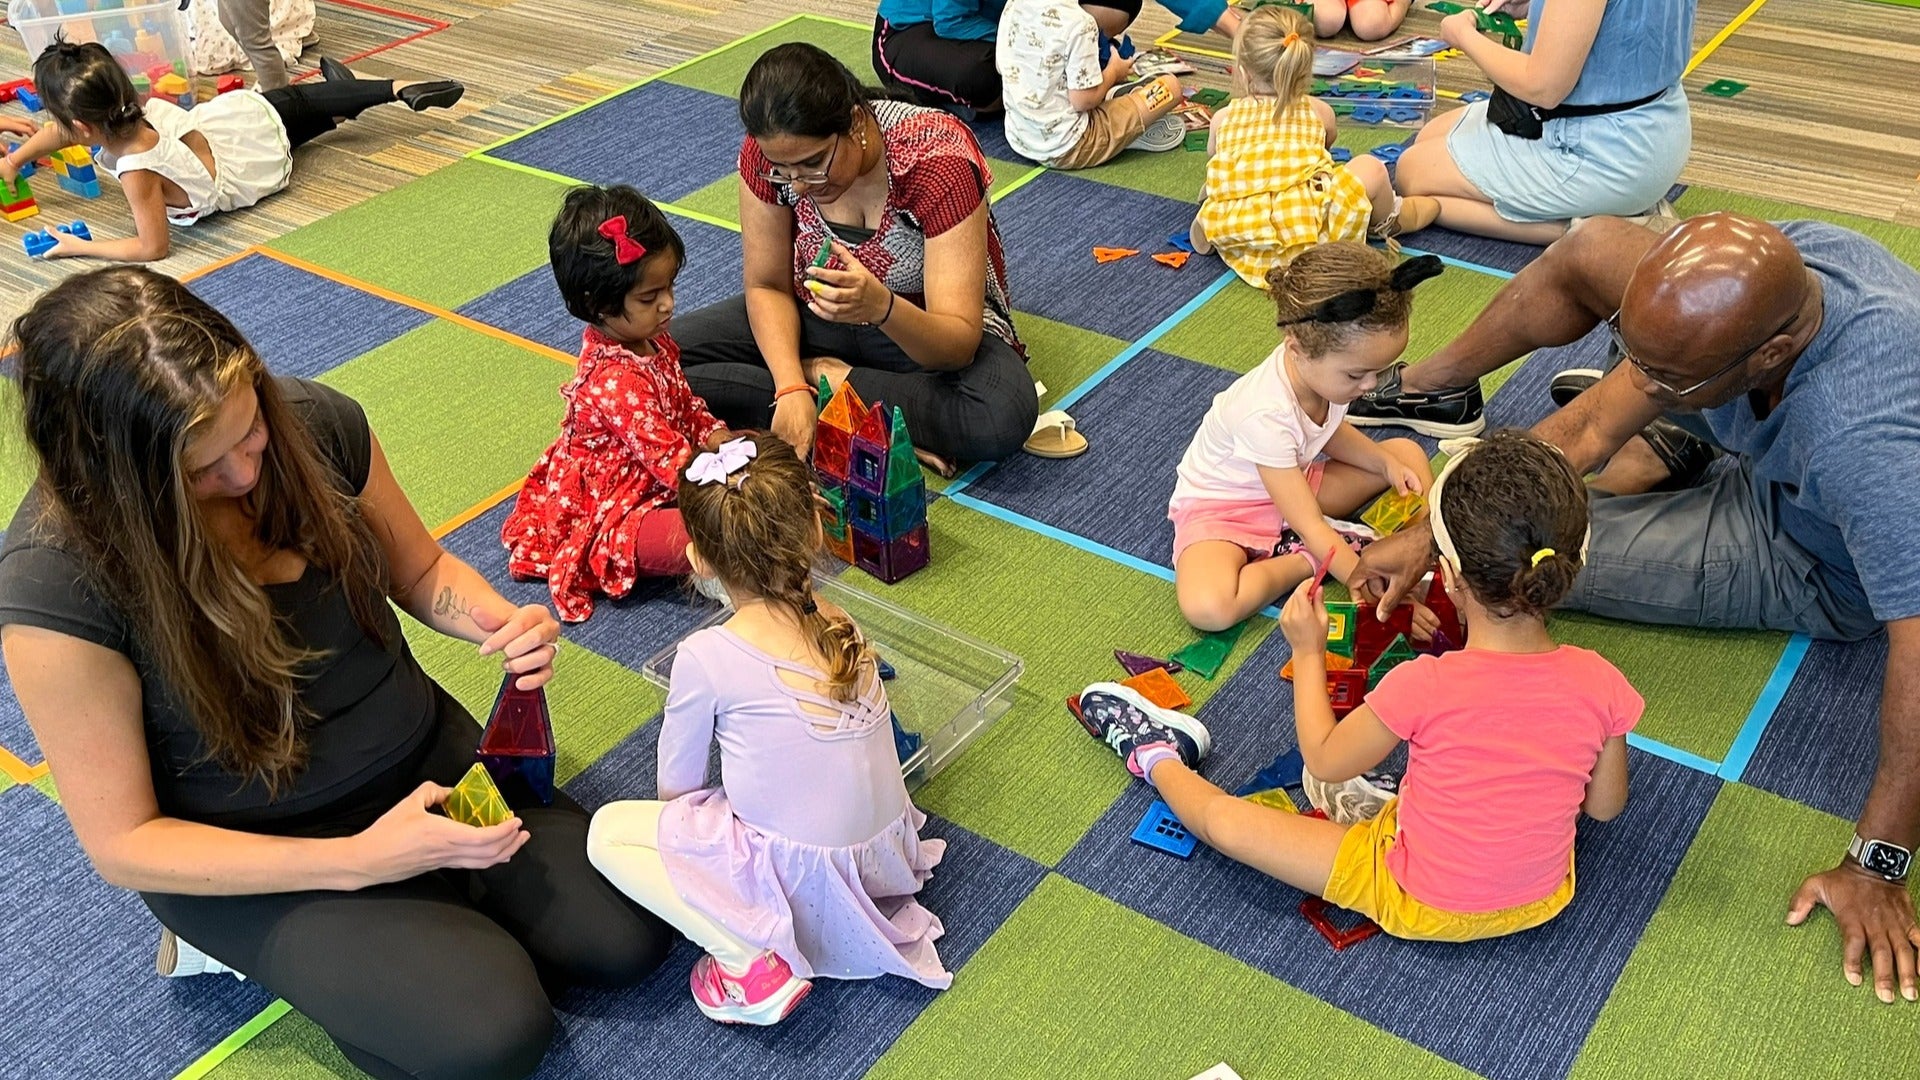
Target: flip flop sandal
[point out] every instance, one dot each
(1054, 436)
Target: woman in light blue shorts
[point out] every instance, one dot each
(1588, 118)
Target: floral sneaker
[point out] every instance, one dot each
(1118, 716)
(764, 995)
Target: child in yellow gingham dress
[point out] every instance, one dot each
(1272, 188)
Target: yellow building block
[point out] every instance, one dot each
(476, 800)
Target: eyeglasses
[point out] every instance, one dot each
(1620, 345)
(780, 175)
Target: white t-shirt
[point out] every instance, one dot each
(1046, 48)
(1256, 421)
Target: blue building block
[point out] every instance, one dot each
(905, 743)
(1403, 115)
(1369, 114)
(30, 99)
(1388, 154)
(1181, 240)
(1282, 772)
(86, 189)
(1407, 93)
(905, 510)
(1341, 155)
(886, 670)
(26, 168)
(41, 242)
(1472, 96)
(82, 173)
(1162, 831)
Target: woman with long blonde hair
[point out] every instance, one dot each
(194, 612)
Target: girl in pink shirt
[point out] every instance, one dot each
(1509, 740)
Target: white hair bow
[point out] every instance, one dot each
(716, 466)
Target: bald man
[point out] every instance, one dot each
(1797, 348)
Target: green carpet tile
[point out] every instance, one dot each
(1902, 240)
(1073, 985)
(1720, 978)
(460, 414)
(722, 72)
(291, 1048)
(1063, 356)
(1035, 783)
(444, 238)
(1176, 174)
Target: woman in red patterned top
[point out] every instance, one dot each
(598, 511)
(912, 308)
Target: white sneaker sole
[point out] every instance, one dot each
(769, 1012)
(1346, 803)
(179, 960)
(1181, 722)
(1424, 427)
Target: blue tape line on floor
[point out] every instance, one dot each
(1061, 535)
(1491, 271)
(1672, 753)
(1771, 694)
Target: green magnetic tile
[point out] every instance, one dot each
(7, 782)
(723, 72)
(594, 701)
(1074, 985)
(1699, 684)
(460, 414)
(1719, 985)
(721, 199)
(17, 463)
(44, 785)
(1902, 240)
(444, 238)
(1061, 355)
(1176, 174)
(1062, 611)
(291, 1048)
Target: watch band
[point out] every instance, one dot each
(1857, 849)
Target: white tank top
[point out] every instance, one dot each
(252, 158)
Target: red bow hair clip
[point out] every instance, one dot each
(625, 249)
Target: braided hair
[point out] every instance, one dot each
(84, 83)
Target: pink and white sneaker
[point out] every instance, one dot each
(764, 995)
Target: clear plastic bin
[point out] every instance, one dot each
(1382, 92)
(149, 40)
(948, 688)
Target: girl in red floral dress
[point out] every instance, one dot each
(597, 512)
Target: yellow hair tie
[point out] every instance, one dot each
(1290, 41)
(1543, 555)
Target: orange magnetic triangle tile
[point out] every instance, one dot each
(1107, 254)
(1175, 259)
(844, 411)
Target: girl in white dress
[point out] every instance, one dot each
(178, 165)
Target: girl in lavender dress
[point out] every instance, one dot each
(806, 859)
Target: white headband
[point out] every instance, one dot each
(1457, 451)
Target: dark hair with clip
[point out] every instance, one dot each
(760, 534)
(1333, 292)
(1513, 497)
(594, 283)
(85, 83)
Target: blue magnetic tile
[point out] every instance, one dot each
(1050, 228)
(658, 612)
(667, 140)
(1515, 1008)
(838, 1032)
(15, 735)
(81, 996)
(1821, 745)
(1153, 404)
(530, 304)
(300, 323)
(1161, 830)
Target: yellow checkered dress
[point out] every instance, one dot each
(1273, 190)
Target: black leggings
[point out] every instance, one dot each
(309, 109)
(933, 70)
(443, 975)
(982, 412)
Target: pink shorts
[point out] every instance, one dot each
(1255, 526)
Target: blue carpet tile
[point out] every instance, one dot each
(991, 134)
(1517, 1008)
(1050, 235)
(667, 140)
(1482, 251)
(530, 304)
(629, 631)
(15, 735)
(1821, 745)
(303, 324)
(841, 1029)
(1522, 400)
(78, 967)
(1140, 420)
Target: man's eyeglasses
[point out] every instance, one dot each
(781, 175)
(1620, 345)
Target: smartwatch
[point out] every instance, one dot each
(1881, 858)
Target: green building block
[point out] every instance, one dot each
(1211, 98)
(1446, 7)
(825, 254)
(1723, 87)
(903, 468)
(1399, 652)
(1206, 656)
(1342, 627)
(16, 192)
(825, 395)
(1196, 141)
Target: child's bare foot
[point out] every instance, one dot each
(834, 369)
(935, 462)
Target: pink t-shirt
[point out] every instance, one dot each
(1500, 747)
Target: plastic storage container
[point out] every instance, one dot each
(1384, 92)
(149, 40)
(947, 689)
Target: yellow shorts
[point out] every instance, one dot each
(1361, 882)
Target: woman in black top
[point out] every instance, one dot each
(194, 598)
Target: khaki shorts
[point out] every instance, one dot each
(1111, 128)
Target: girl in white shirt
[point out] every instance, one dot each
(1275, 457)
(177, 165)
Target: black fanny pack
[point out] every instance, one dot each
(1524, 121)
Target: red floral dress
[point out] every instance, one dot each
(631, 423)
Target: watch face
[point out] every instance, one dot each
(1885, 859)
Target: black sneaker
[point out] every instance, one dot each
(431, 95)
(332, 70)
(1686, 456)
(1443, 414)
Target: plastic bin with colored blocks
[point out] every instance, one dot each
(144, 37)
(1386, 92)
(948, 687)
